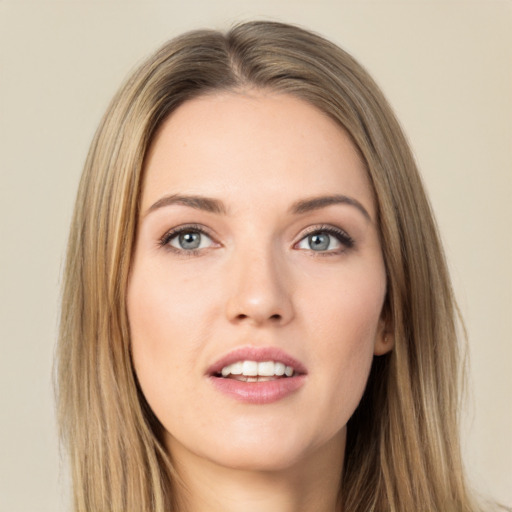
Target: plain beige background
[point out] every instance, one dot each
(446, 67)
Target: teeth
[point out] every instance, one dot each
(255, 369)
(249, 368)
(279, 368)
(266, 369)
(236, 368)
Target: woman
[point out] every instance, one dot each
(257, 312)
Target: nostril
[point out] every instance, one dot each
(276, 317)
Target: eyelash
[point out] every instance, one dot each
(173, 233)
(342, 236)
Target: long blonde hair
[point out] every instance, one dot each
(402, 445)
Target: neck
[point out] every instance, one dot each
(311, 484)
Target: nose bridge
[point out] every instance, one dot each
(261, 290)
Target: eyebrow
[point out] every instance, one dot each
(316, 203)
(198, 202)
(211, 205)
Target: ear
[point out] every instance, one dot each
(384, 338)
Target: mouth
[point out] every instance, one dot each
(254, 371)
(257, 375)
(256, 364)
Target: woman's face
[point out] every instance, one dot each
(257, 243)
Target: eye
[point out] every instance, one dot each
(187, 239)
(326, 239)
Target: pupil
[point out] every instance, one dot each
(319, 242)
(190, 240)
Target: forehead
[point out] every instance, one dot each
(250, 146)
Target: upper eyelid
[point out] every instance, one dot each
(175, 231)
(329, 228)
(188, 227)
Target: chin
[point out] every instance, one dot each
(243, 450)
(263, 457)
(271, 452)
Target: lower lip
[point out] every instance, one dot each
(258, 392)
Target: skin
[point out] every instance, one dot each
(255, 281)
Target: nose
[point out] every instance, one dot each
(261, 291)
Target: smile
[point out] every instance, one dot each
(257, 375)
(253, 371)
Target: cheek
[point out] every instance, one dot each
(164, 308)
(345, 322)
(164, 344)
(345, 311)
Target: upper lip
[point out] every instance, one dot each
(258, 354)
